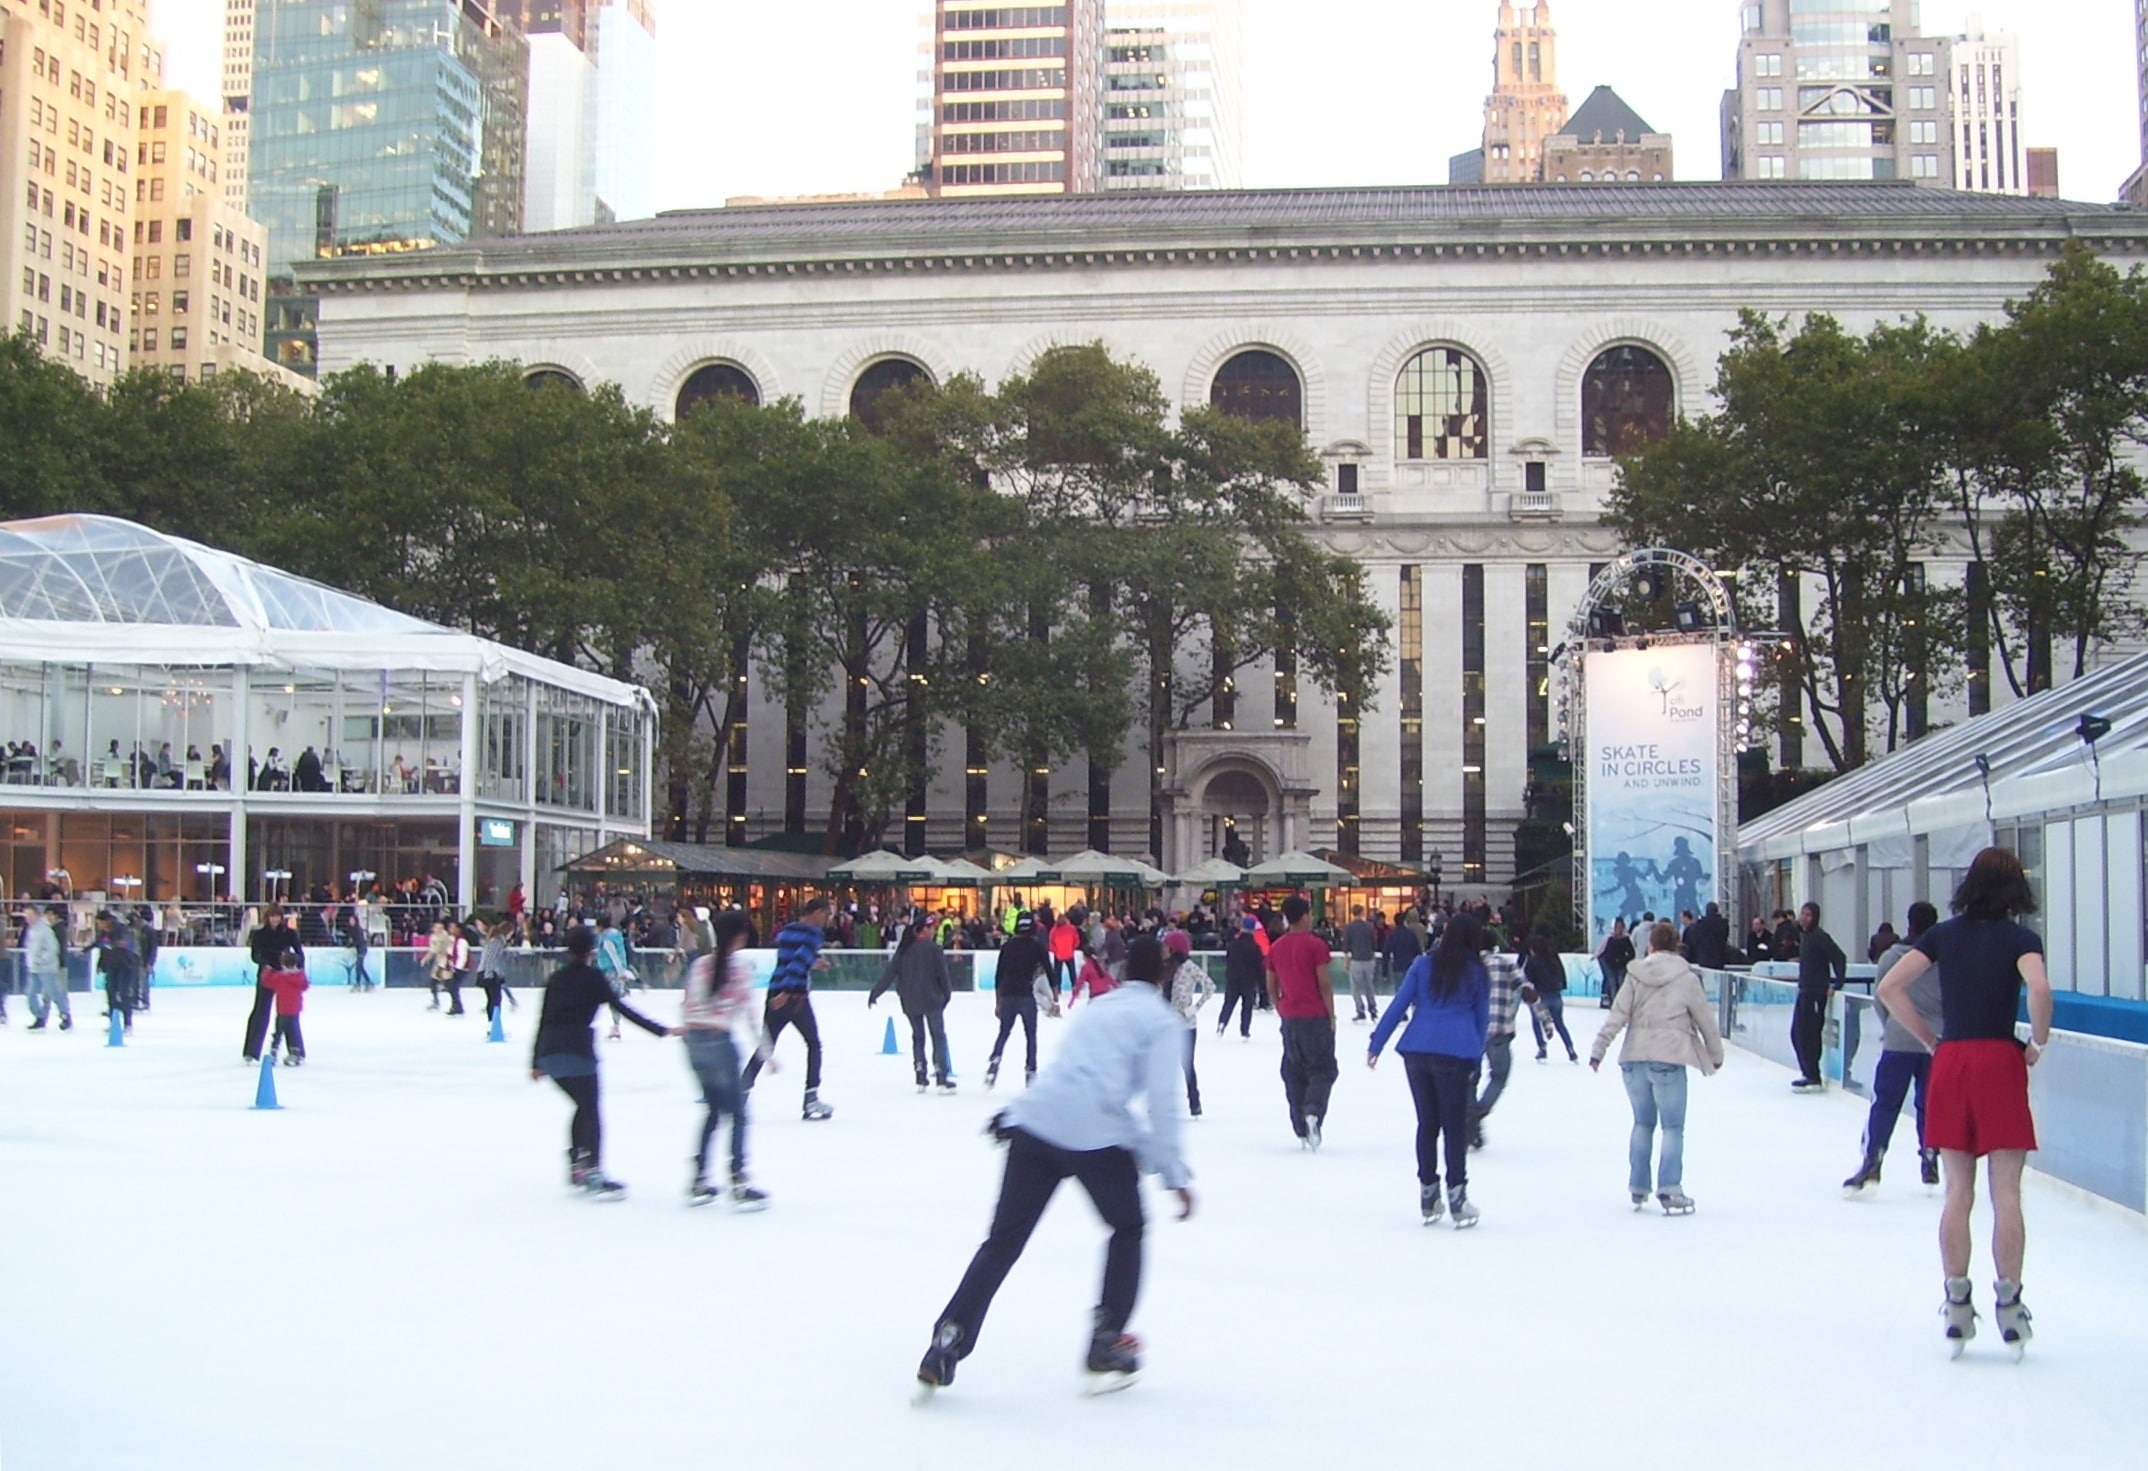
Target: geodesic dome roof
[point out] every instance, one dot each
(77, 589)
(99, 569)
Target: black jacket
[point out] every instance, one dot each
(1707, 941)
(1021, 959)
(267, 946)
(1244, 967)
(1820, 961)
(573, 996)
(1545, 972)
(1617, 952)
(918, 972)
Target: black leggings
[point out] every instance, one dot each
(585, 1132)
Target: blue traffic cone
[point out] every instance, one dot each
(265, 1093)
(887, 1043)
(498, 1033)
(117, 1037)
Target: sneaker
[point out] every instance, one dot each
(1431, 1204)
(1928, 1166)
(937, 1369)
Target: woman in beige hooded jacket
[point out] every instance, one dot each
(1669, 1027)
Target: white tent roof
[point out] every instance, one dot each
(96, 588)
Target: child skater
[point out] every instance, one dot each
(288, 982)
(719, 1024)
(566, 1052)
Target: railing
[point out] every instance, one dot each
(1533, 505)
(1345, 508)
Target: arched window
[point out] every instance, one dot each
(1627, 399)
(1440, 407)
(1259, 385)
(713, 381)
(876, 382)
(552, 378)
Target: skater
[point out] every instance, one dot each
(718, 1023)
(1615, 955)
(1021, 980)
(492, 966)
(46, 960)
(1980, 1073)
(1064, 944)
(439, 960)
(1821, 966)
(1509, 992)
(1360, 942)
(1190, 990)
(120, 966)
(1904, 1063)
(1545, 971)
(287, 980)
(1447, 997)
(265, 946)
(566, 1052)
(918, 973)
(1244, 973)
(1303, 990)
(790, 999)
(1669, 1027)
(1076, 1122)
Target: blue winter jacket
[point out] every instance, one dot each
(1454, 1027)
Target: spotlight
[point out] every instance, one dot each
(1651, 582)
(1607, 623)
(1689, 617)
(2092, 728)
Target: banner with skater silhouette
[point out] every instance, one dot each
(1653, 766)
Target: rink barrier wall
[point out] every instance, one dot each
(2089, 1093)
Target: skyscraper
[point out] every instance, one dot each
(71, 76)
(1525, 106)
(238, 89)
(1016, 99)
(625, 176)
(1852, 89)
(591, 110)
(2135, 189)
(1173, 107)
(379, 125)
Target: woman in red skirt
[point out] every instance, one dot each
(1978, 1105)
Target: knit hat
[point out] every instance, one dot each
(1177, 942)
(1024, 922)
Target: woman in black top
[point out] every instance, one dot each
(265, 947)
(1543, 969)
(1614, 957)
(566, 1052)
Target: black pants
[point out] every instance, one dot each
(1062, 969)
(257, 1021)
(1242, 996)
(585, 1131)
(1034, 1170)
(454, 993)
(1441, 1088)
(1308, 1069)
(493, 987)
(1808, 1029)
(1193, 1079)
(294, 1041)
(1026, 1014)
(790, 1009)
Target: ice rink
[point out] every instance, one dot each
(390, 1272)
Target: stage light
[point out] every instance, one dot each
(1689, 618)
(1607, 623)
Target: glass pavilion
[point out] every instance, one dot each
(178, 723)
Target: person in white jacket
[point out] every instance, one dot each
(47, 966)
(1191, 986)
(1669, 1027)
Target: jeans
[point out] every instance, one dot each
(1241, 995)
(1364, 999)
(1440, 1087)
(1657, 1091)
(1498, 1063)
(1808, 1029)
(1551, 1006)
(714, 1058)
(1892, 1079)
(47, 990)
(288, 1033)
(1026, 1014)
(790, 1009)
(1614, 977)
(1034, 1170)
(936, 1023)
(1308, 1068)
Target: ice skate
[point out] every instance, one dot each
(1029, 1078)
(1960, 1315)
(1312, 1134)
(2012, 1315)
(1114, 1363)
(1865, 1181)
(945, 1086)
(701, 1192)
(1458, 1206)
(599, 1186)
(1430, 1203)
(1640, 1200)
(745, 1198)
(937, 1369)
(814, 1109)
(1928, 1166)
(922, 1085)
(1675, 1202)
(991, 1074)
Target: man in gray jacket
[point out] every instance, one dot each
(1904, 1063)
(47, 966)
(1076, 1122)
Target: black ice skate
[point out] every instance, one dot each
(1114, 1362)
(937, 1369)
(745, 1198)
(991, 1074)
(1865, 1181)
(1928, 1166)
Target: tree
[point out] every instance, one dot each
(50, 420)
(1825, 461)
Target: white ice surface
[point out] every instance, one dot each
(390, 1273)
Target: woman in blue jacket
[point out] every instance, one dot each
(1448, 997)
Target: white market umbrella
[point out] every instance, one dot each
(1092, 867)
(1212, 873)
(1299, 870)
(1027, 871)
(885, 867)
(963, 874)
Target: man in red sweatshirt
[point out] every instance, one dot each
(1303, 990)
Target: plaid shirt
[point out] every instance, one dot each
(1506, 994)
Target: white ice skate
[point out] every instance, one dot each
(2013, 1317)
(1960, 1316)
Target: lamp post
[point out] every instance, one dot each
(210, 873)
(1434, 872)
(126, 882)
(272, 881)
(64, 879)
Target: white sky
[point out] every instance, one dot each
(1378, 92)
